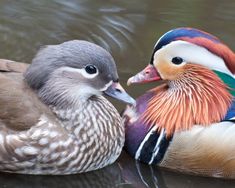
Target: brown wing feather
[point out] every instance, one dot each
(12, 66)
(19, 106)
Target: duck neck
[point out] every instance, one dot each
(69, 113)
(197, 97)
(96, 119)
(64, 95)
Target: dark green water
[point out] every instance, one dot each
(128, 29)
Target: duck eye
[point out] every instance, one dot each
(177, 60)
(91, 69)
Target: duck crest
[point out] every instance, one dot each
(197, 97)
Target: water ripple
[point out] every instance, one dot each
(26, 26)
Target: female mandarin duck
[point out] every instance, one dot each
(187, 123)
(54, 119)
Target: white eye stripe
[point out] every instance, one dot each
(80, 71)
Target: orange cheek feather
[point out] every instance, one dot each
(168, 71)
(202, 102)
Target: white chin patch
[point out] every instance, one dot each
(83, 92)
(106, 86)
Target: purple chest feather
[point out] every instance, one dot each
(142, 141)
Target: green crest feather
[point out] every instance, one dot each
(228, 80)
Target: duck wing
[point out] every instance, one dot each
(20, 108)
(12, 66)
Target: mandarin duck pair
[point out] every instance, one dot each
(55, 120)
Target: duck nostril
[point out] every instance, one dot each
(147, 72)
(118, 90)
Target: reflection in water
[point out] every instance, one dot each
(128, 29)
(125, 173)
(104, 178)
(144, 176)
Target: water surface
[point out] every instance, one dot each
(129, 30)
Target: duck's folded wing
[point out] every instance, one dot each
(19, 106)
(20, 113)
(12, 66)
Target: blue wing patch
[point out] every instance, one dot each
(231, 112)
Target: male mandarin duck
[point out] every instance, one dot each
(53, 118)
(186, 123)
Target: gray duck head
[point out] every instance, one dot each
(72, 72)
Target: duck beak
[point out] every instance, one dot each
(116, 91)
(149, 74)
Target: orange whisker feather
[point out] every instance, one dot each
(197, 97)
